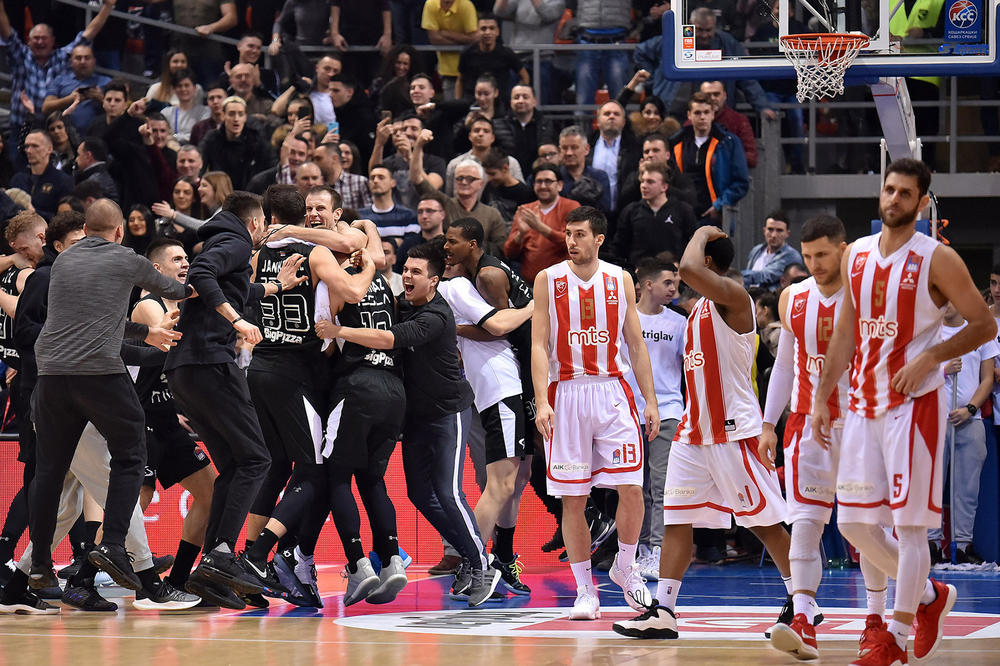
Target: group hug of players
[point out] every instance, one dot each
(859, 360)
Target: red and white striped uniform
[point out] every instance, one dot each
(811, 318)
(586, 322)
(721, 404)
(896, 320)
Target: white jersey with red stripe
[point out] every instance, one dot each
(721, 404)
(586, 322)
(811, 317)
(896, 319)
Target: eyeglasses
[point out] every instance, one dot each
(466, 179)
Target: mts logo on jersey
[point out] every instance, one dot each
(693, 359)
(880, 328)
(814, 364)
(589, 337)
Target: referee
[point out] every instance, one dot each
(81, 379)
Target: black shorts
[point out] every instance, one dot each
(504, 426)
(171, 454)
(367, 407)
(291, 416)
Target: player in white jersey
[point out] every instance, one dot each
(995, 311)
(585, 408)
(663, 332)
(890, 472)
(808, 312)
(491, 369)
(714, 473)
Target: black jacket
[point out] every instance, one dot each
(642, 233)
(98, 173)
(522, 143)
(263, 180)
(32, 310)
(241, 158)
(220, 274)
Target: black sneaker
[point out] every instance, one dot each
(788, 612)
(256, 600)
(230, 571)
(463, 580)
(600, 531)
(968, 556)
(85, 598)
(935, 548)
(265, 575)
(116, 562)
(211, 593)
(510, 574)
(71, 569)
(555, 543)
(162, 564)
(657, 622)
(165, 598)
(44, 583)
(26, 603)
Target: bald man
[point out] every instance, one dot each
(81, 379)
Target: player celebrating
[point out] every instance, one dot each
(899, 282)
(808, 312)
(713, 461)
(587, 414)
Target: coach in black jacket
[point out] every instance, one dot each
(212, 391)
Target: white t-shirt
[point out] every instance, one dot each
(490, 367)
(996, 387)
(968, 376)
(664, 337)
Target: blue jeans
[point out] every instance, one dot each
(970, 453)
(792, 127)
(595, 67)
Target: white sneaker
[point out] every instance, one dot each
(633, 584)
(587, 606)
(360, 583)
(650, 566)
(391, 580)
(656, 622)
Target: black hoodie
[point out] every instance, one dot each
(32, 310)
(220, 274)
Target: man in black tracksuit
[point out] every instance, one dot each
(212, 391)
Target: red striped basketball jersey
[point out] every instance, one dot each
(811, 318)
(721, 404)
(586, 320)
(896, 320)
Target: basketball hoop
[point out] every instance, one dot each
(820, 61)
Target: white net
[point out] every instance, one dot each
(820, 61)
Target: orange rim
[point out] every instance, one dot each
(839, 41)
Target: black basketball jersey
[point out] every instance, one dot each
(9, 355)
(519, 294)
(286, 319)
(376, 310)
(151, 384)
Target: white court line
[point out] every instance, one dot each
(645, 645)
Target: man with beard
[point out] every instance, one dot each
(899, 282)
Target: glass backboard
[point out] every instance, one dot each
(958, 40)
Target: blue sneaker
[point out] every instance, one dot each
(377, 562)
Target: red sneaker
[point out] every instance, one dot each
(873, 624)
(929, 622)
(797, 639)
(882, 650)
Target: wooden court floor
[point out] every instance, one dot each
(723, 611)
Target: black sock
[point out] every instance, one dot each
(85, 574)
(354, 551)
(187, 553)
(503, 544)
(90, 528)
(261, 548)
(150, 581)
(15, 587)
(78, 538)
(249, 545)
(386, 547)
(288, 541)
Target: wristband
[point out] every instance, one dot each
(233, 322)
(281, 288)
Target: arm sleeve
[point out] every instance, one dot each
(135, 331)
(779, 388)
(256, 292)
(422, 328)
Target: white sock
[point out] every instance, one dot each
(788, 584)
(666, 592)
(805, 604)
(626, 555)
(899, 631)
(583, 575)
(929, 594)
(876, 601)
